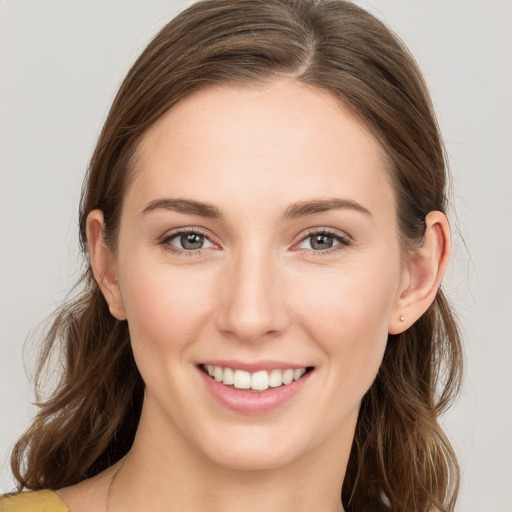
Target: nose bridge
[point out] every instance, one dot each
(253, 304)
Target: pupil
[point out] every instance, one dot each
(191, 241)
(322, 242)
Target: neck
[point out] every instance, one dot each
(171, 476)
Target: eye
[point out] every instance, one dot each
(186, 241)
(321, 241)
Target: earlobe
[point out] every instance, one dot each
(103, 264)
(423, 274)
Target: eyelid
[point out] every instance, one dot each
(165, 239)
(343, 238)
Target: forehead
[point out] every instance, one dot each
(273, 140)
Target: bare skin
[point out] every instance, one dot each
(257, 287)
(92, 494)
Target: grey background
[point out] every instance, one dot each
(61, 62)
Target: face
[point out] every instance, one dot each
(258, 242)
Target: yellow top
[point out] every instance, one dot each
(38, 501)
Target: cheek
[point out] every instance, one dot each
(347, 314)
(350, 301)
(166, 310)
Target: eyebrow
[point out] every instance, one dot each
(294, 211)
(187, 206)
(303, 208)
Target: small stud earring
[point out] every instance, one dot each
(402, 318)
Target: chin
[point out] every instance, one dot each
(254, 456)
(264, 446)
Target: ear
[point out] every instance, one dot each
(422, 274)
(103, 264)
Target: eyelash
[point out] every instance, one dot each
(166, 239)
(342, 239)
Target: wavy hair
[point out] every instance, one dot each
(400, 459)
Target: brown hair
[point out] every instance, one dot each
(400, 459)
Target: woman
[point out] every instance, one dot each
(261, 323)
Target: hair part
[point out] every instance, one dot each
(400, 458)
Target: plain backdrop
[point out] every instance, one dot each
(61, 62)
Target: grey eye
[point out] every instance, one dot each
(191, 241)
(321, 241)
(187, 241)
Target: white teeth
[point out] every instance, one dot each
(288, 376)
(242, 379)
(229, 376)
(257, 381)
(275, 378)
(298, 373)
(217, 373)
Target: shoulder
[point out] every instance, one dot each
(37, 501)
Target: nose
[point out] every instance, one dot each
(253, 305)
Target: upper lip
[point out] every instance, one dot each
(254, 366)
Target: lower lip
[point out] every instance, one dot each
(253, 402)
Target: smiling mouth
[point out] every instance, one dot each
(254, 381)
